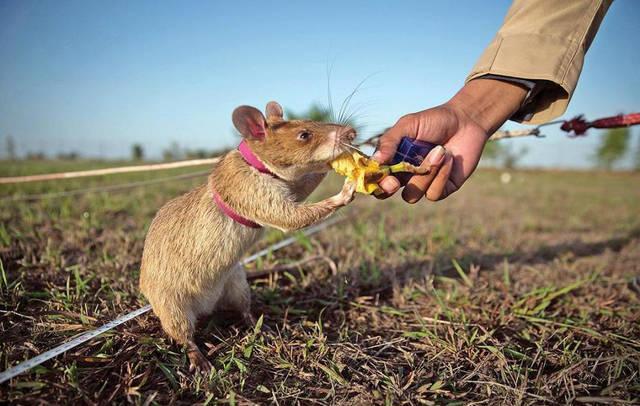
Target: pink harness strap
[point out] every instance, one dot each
(233, 214)
(253, 161)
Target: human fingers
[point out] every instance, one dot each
(418, 184)
(389, 186)
(436, 190)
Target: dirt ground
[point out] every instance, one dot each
(525, 292)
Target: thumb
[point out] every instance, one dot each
(390, 140)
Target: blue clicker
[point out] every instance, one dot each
(412, 151)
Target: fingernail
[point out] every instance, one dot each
(436, 155)
(389, 184)
(411, 194)
(377, 156)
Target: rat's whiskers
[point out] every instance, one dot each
(329, 98)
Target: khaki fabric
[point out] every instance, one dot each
(544, 41)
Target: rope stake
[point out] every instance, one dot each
(579, 125)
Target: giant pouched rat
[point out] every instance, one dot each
(190, 260)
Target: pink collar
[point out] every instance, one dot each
(253, 161)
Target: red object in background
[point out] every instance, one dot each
(579, 125)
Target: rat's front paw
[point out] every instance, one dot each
(347, 193)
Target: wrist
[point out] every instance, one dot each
(489, 102)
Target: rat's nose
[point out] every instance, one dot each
(348, 133)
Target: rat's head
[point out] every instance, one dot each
(291, 148)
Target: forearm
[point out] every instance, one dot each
(290, 217)
(543, 41)
(489, 102)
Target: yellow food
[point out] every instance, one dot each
(363, 171)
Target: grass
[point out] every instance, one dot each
(519, 293)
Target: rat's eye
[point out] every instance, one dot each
(304, 135)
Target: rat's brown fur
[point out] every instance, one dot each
(190, 261)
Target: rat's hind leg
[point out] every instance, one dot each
(197, 360)
(180, 325)
(236, 294)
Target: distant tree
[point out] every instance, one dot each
(168, 155)
(199, 153)
(315, 112)
(492, 152)
(36, 156)
(137, 152)
(612, 148)
(11, 148)
(502, 154)
(511, 157)
(68, 156)
(173, 153)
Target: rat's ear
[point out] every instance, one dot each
(274, 111)
(250, 122)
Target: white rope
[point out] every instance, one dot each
(39, 359)
(108, 188)
(107, 171)
(498, 135)
(45, 356)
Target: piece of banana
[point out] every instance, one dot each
(365, 172)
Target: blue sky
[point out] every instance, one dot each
(96, 77)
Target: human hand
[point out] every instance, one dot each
(461, 127)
